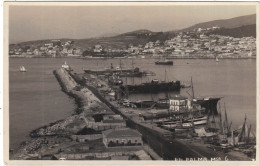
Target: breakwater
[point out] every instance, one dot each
(66, 87)
(66, 81)
(84, 100)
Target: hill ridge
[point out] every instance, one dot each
(226, 23)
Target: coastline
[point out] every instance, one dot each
(148, 57)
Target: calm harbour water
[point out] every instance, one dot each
(36, 98)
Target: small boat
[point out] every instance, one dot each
(165, 62)
(115, 80)
(126, 103)
(182, 129)
(148, 73)
(118, 68)
(200, 122)
(22, 69)
(185, 85)
(66, 66)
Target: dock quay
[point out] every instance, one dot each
(163, 142)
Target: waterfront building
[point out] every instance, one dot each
(157, 43)
(17, 53)
(113, 123)
(85, 138)
(78, 51)
(43, 48)
(112, 117)
(178, 104)
(48, 45)
(97, 48)
(11, 52)
(122, 137)
(52, 53)
(64, 51)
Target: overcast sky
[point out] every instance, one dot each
(34, 22)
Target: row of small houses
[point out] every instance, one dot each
(45, 51)
(114, 132)
(119, 136)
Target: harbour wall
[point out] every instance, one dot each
(71, 88)
(67, 85)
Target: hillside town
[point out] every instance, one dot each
(198, 43)
(52, 48)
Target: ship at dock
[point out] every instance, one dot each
(152, 87)
(122, 72)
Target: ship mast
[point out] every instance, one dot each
(243, 131)
(191, 101)
(165, 76)
(229, 128)
(192, 89)
(248, 137)
(226, 119)
(120, 65)
(208, 120)
(220, 120)
(133, 63)
(214, 121)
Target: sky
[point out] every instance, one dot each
(28, 23)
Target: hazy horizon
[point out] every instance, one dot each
(28, 23)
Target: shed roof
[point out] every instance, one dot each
(113, 121)
(178, 98)
(121, 133)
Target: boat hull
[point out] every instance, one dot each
(164, 63)
(152, 88)
(131, 74)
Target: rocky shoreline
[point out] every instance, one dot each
(61, 129)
